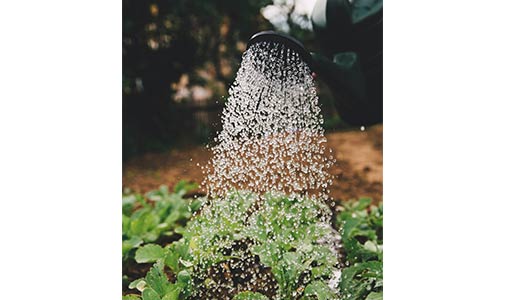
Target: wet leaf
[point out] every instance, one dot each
(150, 253)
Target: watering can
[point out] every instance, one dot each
(350, 35)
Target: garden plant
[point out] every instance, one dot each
(265, 229)
(277, 251)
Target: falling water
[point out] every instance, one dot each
(272, 139)
(272, 142)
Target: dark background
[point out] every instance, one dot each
(179, 58)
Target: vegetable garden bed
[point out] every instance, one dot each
(180, 247)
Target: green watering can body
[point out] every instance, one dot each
(350, 35)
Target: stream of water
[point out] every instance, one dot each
(272, 139)
(272, 142)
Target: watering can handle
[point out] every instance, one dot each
(343, 74)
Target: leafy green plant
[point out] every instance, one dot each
(319, 290)
(285, 241)
(146, 218)
(282, 238)
(361, 227)
(156, 286)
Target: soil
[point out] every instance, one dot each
(357, 172)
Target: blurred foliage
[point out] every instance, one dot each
(285, 234)
(164, 40)
(361, 227)
(182, 54)
(160, 212)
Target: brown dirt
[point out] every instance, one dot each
(358, 170)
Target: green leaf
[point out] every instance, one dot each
(150, 253)
(157, 280)
(288, 270)
(178, 254)
(196, 204)
(150, 294)
(370, 246)
(172, 295)
(348, 225)
(125, 224)
(361, 279)
(249, 296)
(130, 244)
(184, 277)
(363, 203)
(141, 223)
(128, 200)
(184, 282)
(375, 296)
(135, 283)
(182, 187)
(131, 297)
(319, 290)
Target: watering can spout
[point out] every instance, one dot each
(287, 40)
